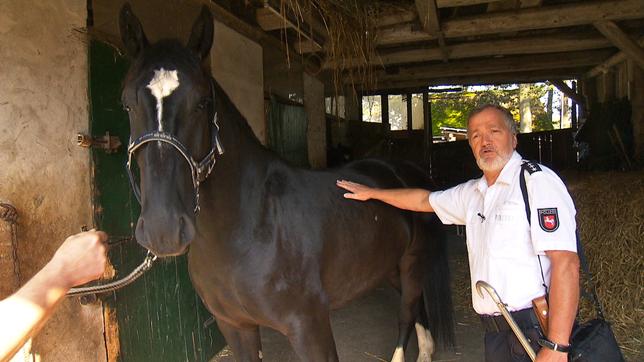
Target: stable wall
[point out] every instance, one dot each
(286, 80)
(237, 66)
(624, 80)
(316, 130)
(43, 104)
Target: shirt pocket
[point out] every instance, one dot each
(509, 232)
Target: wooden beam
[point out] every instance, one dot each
(496, 78)
(306, 46)
(299, 28)
(267, 20)
(453, 3)
(401, 17)
(530, 3)
(428, 15)
(547, 17)
(621, 40)
(522, 63)
(610, 62)
(563, 87)
(514, 46)
(225, 17)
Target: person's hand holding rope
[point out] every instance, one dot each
(80, 259)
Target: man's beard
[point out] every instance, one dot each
(494, 164)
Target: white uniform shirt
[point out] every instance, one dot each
(502, 247)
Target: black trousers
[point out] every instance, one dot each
(501, 345)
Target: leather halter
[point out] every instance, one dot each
(199, 170)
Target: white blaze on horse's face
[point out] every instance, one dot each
(162, 85)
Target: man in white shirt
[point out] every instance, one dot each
(503, 248)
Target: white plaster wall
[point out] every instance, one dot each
(43, 103)
(238, 67)
(316, 131)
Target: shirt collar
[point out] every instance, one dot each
(507, 173)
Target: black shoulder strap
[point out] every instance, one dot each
(588, 291)
(531, 167)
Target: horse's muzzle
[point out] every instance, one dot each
(166, 235)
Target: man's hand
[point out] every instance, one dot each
(356, 191)
(548, 355)
(403, 198)
(81, 258)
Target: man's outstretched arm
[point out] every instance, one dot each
(80, 259)
(407, 199)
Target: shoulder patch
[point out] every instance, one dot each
(531, 166)
(548, 219)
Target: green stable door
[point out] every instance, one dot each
(159, 317)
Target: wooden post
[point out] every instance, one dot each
(384, 113)
(409, 111)
(637, 104)
(428, 136)
(573, 114)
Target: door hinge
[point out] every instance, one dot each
(108, 143)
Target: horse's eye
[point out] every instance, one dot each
(126, 108)
(203, 104)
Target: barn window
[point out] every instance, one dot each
(397, 111)
(417, 114)
(334, 106)
(372, 109)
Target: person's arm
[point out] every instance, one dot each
(80, 259)
(408, 199)
(563, 301)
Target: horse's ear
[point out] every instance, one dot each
(202, 33)
(132, 33)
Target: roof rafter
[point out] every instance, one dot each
(428, 15)
(547, 17)
(514, 46)
(621, 40)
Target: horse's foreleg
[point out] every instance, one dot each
(245, 342)
(311, 336)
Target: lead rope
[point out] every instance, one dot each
(104, 288)
(109, 287)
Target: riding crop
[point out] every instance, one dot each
(480, 285)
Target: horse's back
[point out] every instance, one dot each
(361, 242)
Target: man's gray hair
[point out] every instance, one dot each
(507, 116)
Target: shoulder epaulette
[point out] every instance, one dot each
(531, 166)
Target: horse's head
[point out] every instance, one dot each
(169, 97)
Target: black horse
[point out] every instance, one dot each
(270, 244)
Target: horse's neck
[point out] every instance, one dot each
(245, 160)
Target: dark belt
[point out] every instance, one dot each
(524, 318)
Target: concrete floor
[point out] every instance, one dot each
(366, 329)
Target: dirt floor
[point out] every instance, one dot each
(366, 329)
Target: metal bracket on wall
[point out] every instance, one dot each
(108, 143)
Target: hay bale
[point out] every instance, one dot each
(610, 217)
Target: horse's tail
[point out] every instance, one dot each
(436, 311)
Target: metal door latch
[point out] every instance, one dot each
(108, 143)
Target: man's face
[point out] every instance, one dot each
(491, 141)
